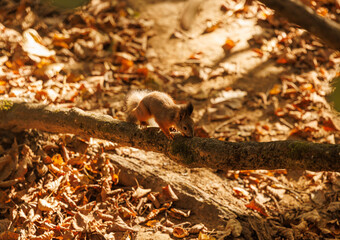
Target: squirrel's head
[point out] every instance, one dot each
(185, 124)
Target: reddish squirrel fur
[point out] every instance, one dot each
(143, 105)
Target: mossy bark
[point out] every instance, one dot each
(203, 152)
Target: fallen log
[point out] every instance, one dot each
(298, 13)
(17, 115)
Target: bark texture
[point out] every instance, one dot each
(298, 13)
(18, 115)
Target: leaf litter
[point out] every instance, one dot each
(80, 200)
(66, 187)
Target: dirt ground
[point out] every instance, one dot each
(251, 73)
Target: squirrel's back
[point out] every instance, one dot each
(134, 97)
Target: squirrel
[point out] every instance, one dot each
(143, 105)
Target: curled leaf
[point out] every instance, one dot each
(32, 44)
(180, 232)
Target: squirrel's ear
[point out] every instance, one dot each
(189, 108)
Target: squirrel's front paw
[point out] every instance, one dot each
(171, 136)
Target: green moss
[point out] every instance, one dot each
(297, 148)
(181, 150)
(5, 105)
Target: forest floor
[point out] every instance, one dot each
(251, 76)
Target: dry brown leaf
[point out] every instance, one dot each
(87, 207)
(42, 169)
(278, 193)
(45, 236)
(167, 195)
(239, 6)
(12, 182)
(201, 132)
(140, 192)
(120, 226)
(54, 169)
(225, 96)
(32, 44)
(127, 212)
(4, 162)
(261, 199)
(70, 202)
(275, 90)
(49, 71)
(302, 226)
(154, 200)
(178, 214)
(9, 235)
(58, 160)
(152, 223)
(3, 199)
(46, 206)
(311, 216)
(105, 217)
(228, 45)
(258, 51)
(155, 212)
(287, 233)
(80, 222)
(318, 197)
(197, 228)
(211, 26)
(141, 205)
(333, 207)
(179, 232)
(234, 227)
(257, 207)
(241, 193)
(203, 236)
(24, 162)
(61, 40)
(9, 162)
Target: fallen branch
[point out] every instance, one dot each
(18, 115)
(298, 13)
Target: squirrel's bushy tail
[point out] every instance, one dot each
(133, 98)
